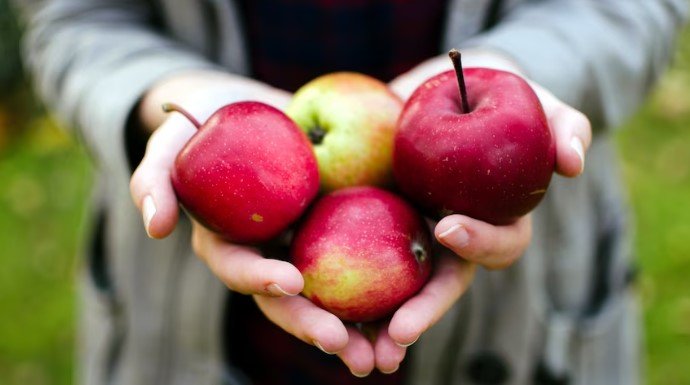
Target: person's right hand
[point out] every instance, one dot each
(241, 268)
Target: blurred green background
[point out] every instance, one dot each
(45, 180)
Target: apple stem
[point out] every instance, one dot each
(316, 134)
(457, 63)
(174, 107)
(419, 252)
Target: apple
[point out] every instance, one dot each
(350, 119)
(247, 173)
(362, 252)
(486, 151)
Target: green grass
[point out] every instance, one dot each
(45, 193)
(655, 145)
(45, 182)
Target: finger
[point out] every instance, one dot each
(388, 354)
(278, 98)
(572, 131)
(494, 247)
(150, 184)
(405, 84)
(450, 279)
(358, 355)
(573, 136)
(304, 320)
(243, 269)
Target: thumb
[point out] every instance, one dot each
(571, 129)
(150, 185)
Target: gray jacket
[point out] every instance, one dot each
(152, 311)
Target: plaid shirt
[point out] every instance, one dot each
(269, 356)
(290, 43)
(294, 41)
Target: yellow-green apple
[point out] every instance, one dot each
(362, 252)
(486, 151)
(350, 119)
(247, 173)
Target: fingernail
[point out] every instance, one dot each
(148, 210)
(576, 145)
(359, 375)
(406, 345)
(390, 371)
(456, 235)
(318, 345)
(277, 290)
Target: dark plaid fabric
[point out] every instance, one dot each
(290, 43)
(293, 41)
(269, 356)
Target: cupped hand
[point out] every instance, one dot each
(201, 93)
(241, 268)
(380, 345)
(476, 242)
(497, 247)
(244, 270)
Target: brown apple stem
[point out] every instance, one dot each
(173, 107)
(457, 63)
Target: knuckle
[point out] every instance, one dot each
(582, 118)
(141, 181)
(198, 244)
(136, 181)
(154, 139)
(582, 121)
(501, 263)
(249, 276)
(473, 253)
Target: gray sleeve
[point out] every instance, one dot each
(92, 60)
(600, 56)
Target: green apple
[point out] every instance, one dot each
(350, 119)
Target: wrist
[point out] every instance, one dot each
(491, 58)
(202, 93)
(406, 83)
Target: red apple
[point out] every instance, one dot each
(492, 161)
(247, 173)
(363, 252)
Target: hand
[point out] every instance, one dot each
(201, 93)
(241, 268)
(384, 347)
(476, 242)
(497, 247)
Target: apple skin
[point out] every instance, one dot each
(493, 163)
(350, 119)
(247, 173)
(362, 252)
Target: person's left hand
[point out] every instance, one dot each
(497, 247)
(472, 241)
